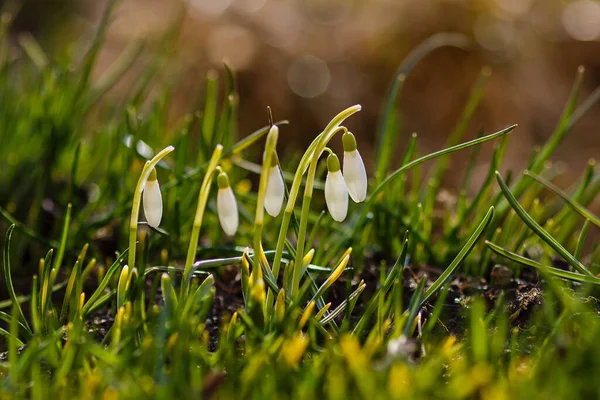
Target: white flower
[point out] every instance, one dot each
(336, 193)
(227, 209)
(355, 173)
(275, 190)
(152, 200)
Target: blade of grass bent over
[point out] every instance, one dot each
(531, 263)
(574, 204)
(541, 232)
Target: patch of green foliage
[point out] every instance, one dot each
(311, 319)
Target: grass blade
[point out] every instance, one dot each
(392, 177)
(574, 204)
(541, 232)
(8, 279)
(462, 254)
(581, 239)
(531, 263)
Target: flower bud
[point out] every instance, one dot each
(336, 192)
(355, 173)
(227, 209)
(152, 200)
(275, 189)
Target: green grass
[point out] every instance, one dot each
(404, 299)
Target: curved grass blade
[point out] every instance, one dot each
(531, 263)
(574, 204)
(8, 319)
(462, 254)
(8, 279)
(27, 231)
(393, 176)
(541, 232)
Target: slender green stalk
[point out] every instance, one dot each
(137, 200)
(262, 186)
(202, 200)
(308, 189)
(304, 164)
(269, 156)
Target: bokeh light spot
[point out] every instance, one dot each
(232, 44)
(309, 76)
(581, 20)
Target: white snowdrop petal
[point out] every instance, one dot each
(355, 175)
(152, 201)
(336, 195)
(275, 192)
(227, 211)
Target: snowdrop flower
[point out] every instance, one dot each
(275, 189)
(336, 193)
(227, 209)
(152, 200)
(355, 173)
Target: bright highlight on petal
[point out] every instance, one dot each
(275, 192)
(355, 173)
(336, 192)
(152, 201)
(227, 209)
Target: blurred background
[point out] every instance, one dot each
(309, 59)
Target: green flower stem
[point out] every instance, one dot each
(308, 189)
(332, 128)
(289, 208)
(295, 189)
(137, 199)
(202, 200)
(269, 156)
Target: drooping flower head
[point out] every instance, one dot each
(355, 173)
(227, 209)
(152, 200)
(336, 193)
(275, 189)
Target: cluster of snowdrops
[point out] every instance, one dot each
(338, 186)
